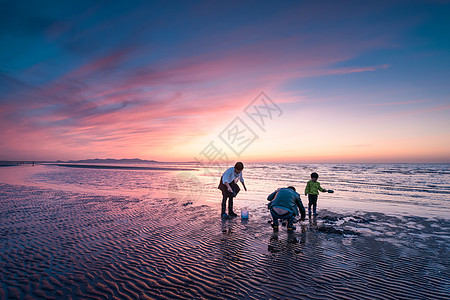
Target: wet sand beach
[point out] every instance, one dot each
(57, 244)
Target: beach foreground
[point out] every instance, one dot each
(61, 244)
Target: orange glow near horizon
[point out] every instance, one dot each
(159, 92)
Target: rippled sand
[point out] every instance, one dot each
(59, 244)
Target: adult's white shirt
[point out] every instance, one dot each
(230, 175)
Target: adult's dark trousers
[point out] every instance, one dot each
(227, 195)
(289, 216)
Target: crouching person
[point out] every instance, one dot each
(285, 204)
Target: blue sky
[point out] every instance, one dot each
(356, 80)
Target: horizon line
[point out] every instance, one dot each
(251, 162)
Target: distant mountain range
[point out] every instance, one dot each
(109, 161)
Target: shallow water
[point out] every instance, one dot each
(93, 233)
(395, 189)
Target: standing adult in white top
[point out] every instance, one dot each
(228, 186)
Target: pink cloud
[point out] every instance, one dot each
(104, 107)
(427, 110)
(365, 69)
(398, 103)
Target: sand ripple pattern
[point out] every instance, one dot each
(62, 245)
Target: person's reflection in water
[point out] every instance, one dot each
(313, 223)
(232, 244)
(292, 238)
(290, 245)
(273, 243)
(302, 232)
(226, 226)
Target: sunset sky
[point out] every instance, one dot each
(353, 81)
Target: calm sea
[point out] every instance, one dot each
(394, 189)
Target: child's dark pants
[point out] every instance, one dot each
(312, 201)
